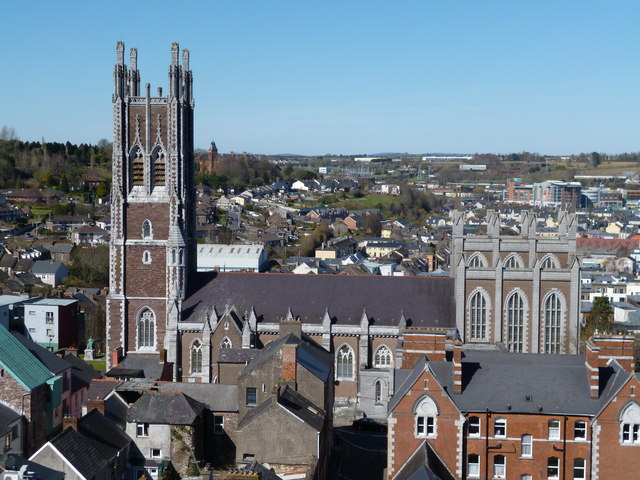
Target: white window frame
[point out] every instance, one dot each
(226, 343)
(383, 357)
(580, 426)
(630, 425)
(246, 396)
(526, 446)
(582, 468)
(500, 423)
(499, 469)
(426, 424)
(345, 363)
(553, 429)
(473, 468)
(151, 453)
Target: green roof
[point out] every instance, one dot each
(17, 360)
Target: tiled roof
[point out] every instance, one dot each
(424, 301)
(19, 361)
(81, 372)
(46, 267)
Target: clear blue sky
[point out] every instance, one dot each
(349, 77)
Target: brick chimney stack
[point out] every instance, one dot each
(116, 356)
(457, 367)
(600, 349)
(70, 421)
(288, 373)
(419, 341)
(95, 403)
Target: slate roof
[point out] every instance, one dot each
(520, 383)
(256, 411)
(301, 407)
(47, 267)
(81, 372)
(14, 462)
(147, 366)
(51, 361)
(95, 444)
(167, 408)
(237, 355)
(216, 397)
(310, 355)
(7, 416)
(424, 301)
(102, 387)
(19, 361)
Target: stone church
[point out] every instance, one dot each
(167, 321)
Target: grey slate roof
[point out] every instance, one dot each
(51, 361)
(301, 407)
(215, 396)
(256, 411)
(14, 462)
(424, 301)
(237, 355)
(81, 372)
(7, 416)
(100, 388)
(167, 408)
(501, 382)
(147, 366)
(46, 267)
(95, 444)
(310, 355)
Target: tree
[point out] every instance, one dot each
(600, 318)
(64, 183)
(101, 190)
(48, 179)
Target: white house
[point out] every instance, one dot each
(229, 258)
(50, 273)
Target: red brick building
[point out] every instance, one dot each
(477, 414)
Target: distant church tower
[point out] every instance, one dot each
(153, 227)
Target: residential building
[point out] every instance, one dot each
(50, 322)
(446, 417)
(51, 273)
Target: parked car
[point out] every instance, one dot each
(369, 424)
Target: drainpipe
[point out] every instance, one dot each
(486, 445)
(564, 447)
(590, 449)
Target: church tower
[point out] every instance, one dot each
(153, 240)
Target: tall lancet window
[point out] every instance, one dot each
(552, 323)
(158, 171)
(137, 169)
(478, 314)
(147, 329)
(344, 363)
(515, 323)
(196, 356)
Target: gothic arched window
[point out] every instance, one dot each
(146, 329)
(382, 358)
(549, 262)
(552, 323)
(226, 343)
(515, 323)
(477, 261)
(512, 261)
(426, 418)
(196, 356)
(159, 171)
(344, 363)
(630, 424)
(147, 231)
(137, 169)
(478, 316)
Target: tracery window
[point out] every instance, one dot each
(382, 358)
(477, 261)
(552, 323)
(226, 343)
(344, 363)
(512, 262)
(515, 323)
(146, 329)
(478, 314)
(196, 357)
